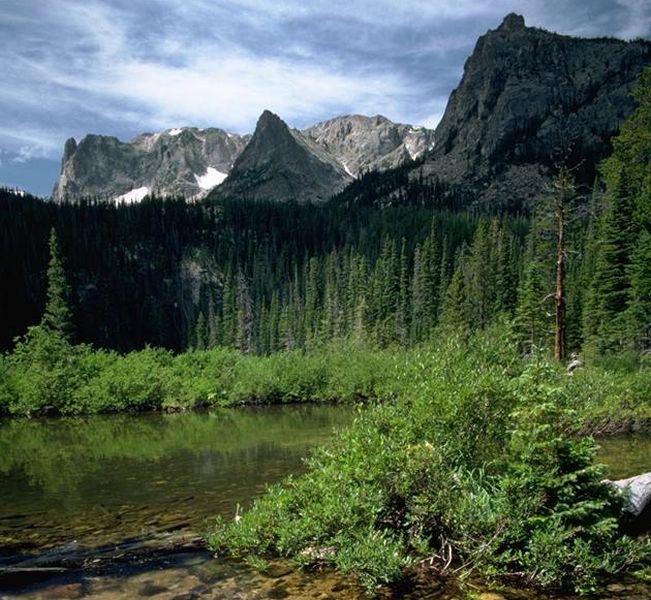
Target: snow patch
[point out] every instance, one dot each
(211, 178)
(345, 166)
(135, 195)
(414, 153)
(175, 131)
(14, 190)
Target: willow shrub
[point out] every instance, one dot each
(474, 460)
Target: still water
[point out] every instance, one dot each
(78, 485)
(84, 481)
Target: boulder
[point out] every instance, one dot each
(638, 490)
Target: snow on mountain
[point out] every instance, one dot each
(134, 195)
(211, 178)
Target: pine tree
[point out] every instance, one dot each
(453, 308)
(201, 333)
(564, 192)
(57, 318)
(533, 321)
(610, 290)
(245, 319)
(639, 308)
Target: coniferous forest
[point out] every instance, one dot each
(262, 277)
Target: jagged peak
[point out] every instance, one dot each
(69, 148)
(269, 118)
(512, 22)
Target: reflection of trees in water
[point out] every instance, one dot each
(73, 462)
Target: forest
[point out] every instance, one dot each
(265, 277)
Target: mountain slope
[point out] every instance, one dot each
(529, 99)
(362, 143)
(187, 161)
(190, 161)
(281, 164)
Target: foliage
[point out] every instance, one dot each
(473, 462)
(619, 310)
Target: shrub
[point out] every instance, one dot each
(475, 460)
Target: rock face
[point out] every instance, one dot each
(278, 165)
(527, 100)
(362, 143)
(281, 164)
(185, 161)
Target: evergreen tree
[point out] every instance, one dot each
(57, 318)
(533, 321)
(639, 309)
(453, 309)
(610, 290)
(201, 333)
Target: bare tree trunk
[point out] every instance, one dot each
(564, 187)
(559, 343)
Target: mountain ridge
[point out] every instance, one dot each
(281, 164)
(528, 100)
(180, 161)
(107, 167)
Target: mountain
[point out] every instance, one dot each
(362, 143)
(529, 99)
(190, 161)
(282, 164)
(185, 161)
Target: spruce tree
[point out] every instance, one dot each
(610, 290)
(57, 318)
(638, 316)
(453, 308)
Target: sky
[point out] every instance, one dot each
(123, 67)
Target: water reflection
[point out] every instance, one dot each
(97, 478)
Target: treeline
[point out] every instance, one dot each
(264, 277)
(260, 277)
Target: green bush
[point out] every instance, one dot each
(474, 460)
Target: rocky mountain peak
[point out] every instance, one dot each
(182, 161)
(362, 143)
(270, 119)
(281, 164)
(527, 99)
(512, 22)
(69, 148)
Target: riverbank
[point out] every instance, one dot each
(79, 380)
(106, 500)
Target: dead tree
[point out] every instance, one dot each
(564, 192)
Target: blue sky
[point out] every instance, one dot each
(122, 67)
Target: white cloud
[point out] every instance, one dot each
(76, 66)
(232, 90)
(638, 18)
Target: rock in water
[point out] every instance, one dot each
(638, 489)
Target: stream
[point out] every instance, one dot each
(128, 497)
